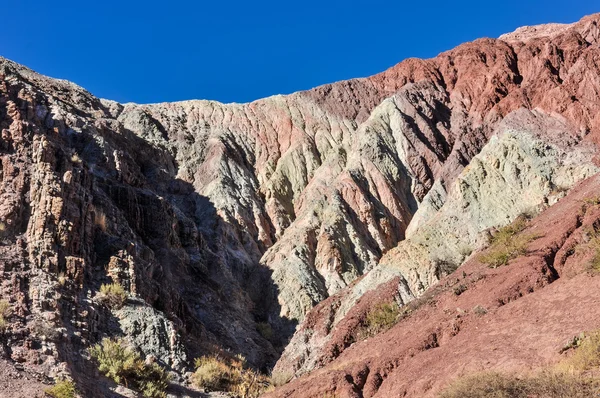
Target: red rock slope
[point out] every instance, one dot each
(515, 317)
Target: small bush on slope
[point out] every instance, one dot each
(113, 295)
(4, 313)
(594, 245)
(62, 389)
(382, 318)
(124, 366)
(265, 330)
(507, 243)
(379, 319)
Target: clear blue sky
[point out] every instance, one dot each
(238, 51)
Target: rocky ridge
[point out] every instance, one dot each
(218, 216)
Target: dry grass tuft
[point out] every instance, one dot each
(585, 356)
(569, 379)
(508, 243)
(544, 384)
(100, 220)
(75, 158)
(217, 373)
(62, 389)
(279, 379)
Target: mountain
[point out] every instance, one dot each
(272, 229)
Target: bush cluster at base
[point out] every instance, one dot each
(218, 373)
(125, 366)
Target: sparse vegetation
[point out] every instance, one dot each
(465, 250)
(593, 201)
(229, 374)
(595, 261)
(43, 329)
(75, 158)
(593, 244)
(125, 366)
(113, 295)
(265, 330)
(545, 384)
(569, 379)
(4, 313)
(460, 289)
(508, 243)
(62, 389)
(479, 310)
(100, 220)
(586, 354)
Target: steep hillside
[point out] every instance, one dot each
(226, 224)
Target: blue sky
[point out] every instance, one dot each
(238, 51)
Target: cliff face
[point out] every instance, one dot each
(317, 185)
(218, 216)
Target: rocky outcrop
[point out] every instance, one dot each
(529, 164)
(215, 217)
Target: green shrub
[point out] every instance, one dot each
(265, 330)
(62, 389)
(113, 295)
(508, 243)
(4, 313)
(229, 374)
(125, 366)
(379, 319)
